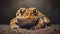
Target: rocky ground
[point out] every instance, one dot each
(54, 29)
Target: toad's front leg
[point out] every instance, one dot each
(13, 23)
(40, 24)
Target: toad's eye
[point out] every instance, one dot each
(22, 12)
(34, 12)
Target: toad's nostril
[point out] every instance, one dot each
(29, 14)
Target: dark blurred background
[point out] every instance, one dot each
(50, 8)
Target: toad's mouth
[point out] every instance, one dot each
(27, 23)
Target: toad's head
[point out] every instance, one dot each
(27, 16)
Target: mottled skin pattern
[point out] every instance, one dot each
(28, 13)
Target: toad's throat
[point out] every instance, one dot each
(27, 23)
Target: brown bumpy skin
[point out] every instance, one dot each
(30, 15)
(43, 21)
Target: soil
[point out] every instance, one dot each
(54, 29)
